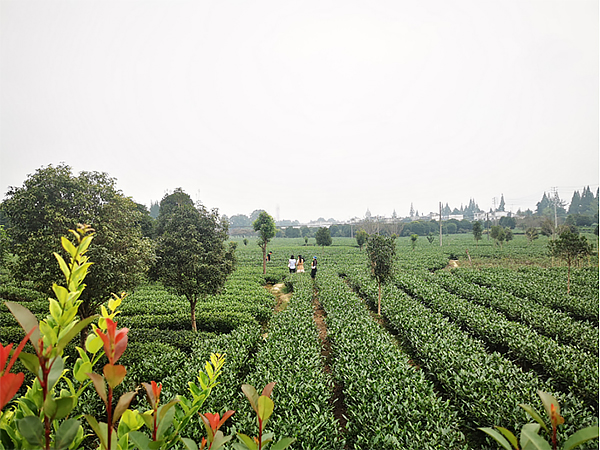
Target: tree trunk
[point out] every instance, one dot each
(568, 277)
(379, 301)
(264, 249)
(193, 312)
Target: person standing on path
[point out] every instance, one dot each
(292, 264)
(300, 264)
(313, 268)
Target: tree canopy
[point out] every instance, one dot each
(323, 237)
(361, 238)
(381, 251)
(265, 226)
(193, 258)
(570, 247)
(52, 201)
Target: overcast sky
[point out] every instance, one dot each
(306, 109)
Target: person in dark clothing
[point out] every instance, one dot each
(313, 268)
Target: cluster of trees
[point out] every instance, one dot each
(185, 247)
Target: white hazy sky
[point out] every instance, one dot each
(306, 108)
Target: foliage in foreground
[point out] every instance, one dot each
(42, 417)
(530, 439)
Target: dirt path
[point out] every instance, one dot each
(282, 299)
(337, 400)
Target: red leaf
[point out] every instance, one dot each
(9, 385)
(114, 374)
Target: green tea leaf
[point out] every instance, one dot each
(535, 415)
(32, 430)
(530, 439)
(66, 433)
(123, 404)
(140, 440)
(64, 406)
(265, 408)
(509, 435)
(247, 441)
(498, 437)
(283, 443)
(27, 321)
(580, 437)
(56, 371)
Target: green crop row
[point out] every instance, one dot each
(214, 321)
(291, 357)
(390, 403)
(546, 321)
(240, 347)
(20, 294)
(531, 287)
(567, 367)
(486, 387)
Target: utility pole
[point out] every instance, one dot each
(555, 201)
(440, 224)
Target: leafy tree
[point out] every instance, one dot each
(154, 209)
(532, 234)
(498, 233)
(509, 222)
(193, 258)
(502, 204)
(146, 222)
(477, 231)
(240, 221)
(53, 200)
(361, 238)
(255, 214)
(508, 234)
(291, 232)
(323, 237)
(382, 254)
(305, 231)
(413, 240)
(265, 226)
(547, 227)
(570, 248)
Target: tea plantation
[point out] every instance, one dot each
(461, 342)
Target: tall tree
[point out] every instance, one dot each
(361, 238)
(265, 226)
(570, 248)
(323, 237)
(502, 204)
(382, 255)
(194, 258)
(154, 209)
(53, 201)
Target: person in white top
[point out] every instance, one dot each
(292, 264)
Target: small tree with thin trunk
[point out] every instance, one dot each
(570, 248)
(477, 232)
(265, 226)
(532, 234)
(498, 234)
(382, 255)
(361, 238)
(413, 240)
